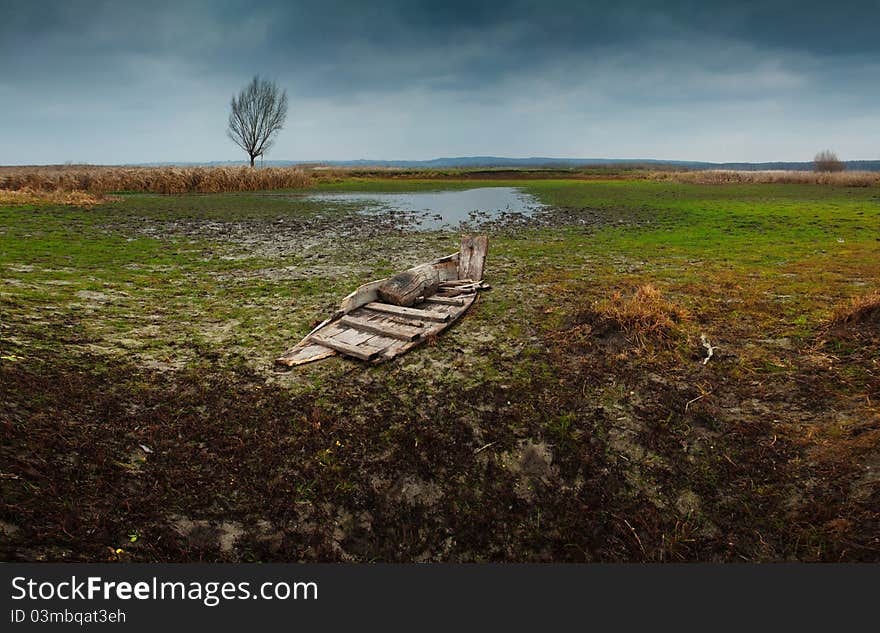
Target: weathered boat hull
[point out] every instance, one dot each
(368, 329)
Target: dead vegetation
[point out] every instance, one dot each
(861, 309)
(94, 179)
(733, 177)
(30, 196)
(779, 437)
(634, 171)
(100, 179)
(645, 316)
(858, 316)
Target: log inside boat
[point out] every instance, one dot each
(385, 318)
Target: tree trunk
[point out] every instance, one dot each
(405, 288)
(252, 161)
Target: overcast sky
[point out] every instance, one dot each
(119, 82)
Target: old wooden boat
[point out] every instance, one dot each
(385, 318)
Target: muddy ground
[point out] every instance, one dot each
(532, 431)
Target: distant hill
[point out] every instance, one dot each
(538, 161)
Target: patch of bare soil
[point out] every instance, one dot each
(292, 235)
(203, 466)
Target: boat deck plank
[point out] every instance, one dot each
(381, 326)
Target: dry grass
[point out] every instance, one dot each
(864, 309)
(171, 180)
(29, 196)
(729, 176)
(645, 315)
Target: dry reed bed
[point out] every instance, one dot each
(732, 177)
(170, 180)
(99, 179)
(29, 196)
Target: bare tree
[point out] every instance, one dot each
(258, 113)
(826, 160)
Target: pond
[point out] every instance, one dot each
(433, 210)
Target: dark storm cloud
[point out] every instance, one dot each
(440, 77)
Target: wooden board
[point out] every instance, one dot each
(364, 352)
(473, 257)
(305, 352)
(364, 294)
(426, 315)
(445, 300)
(390, 330)
(458, 282)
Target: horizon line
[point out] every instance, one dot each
(481, 157)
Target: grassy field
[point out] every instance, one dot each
(569, 416)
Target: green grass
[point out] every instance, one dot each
(759, 223)
(166, 263)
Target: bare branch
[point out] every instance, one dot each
(256, 115)
(827, 160)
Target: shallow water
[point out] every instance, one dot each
(432, 210)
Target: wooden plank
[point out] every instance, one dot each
(305, 354)
(386, 329)
(387, 344)
(448, 269)
(364, 294)
(364, 313)
(458, 292)
(473, 256)
(364, 352)
(451, 291)
(407, 312)
(404, 321)
(448, 258)
(458, 282)
(348, 335)
(444, 300)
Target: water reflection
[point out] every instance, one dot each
(433, 210)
